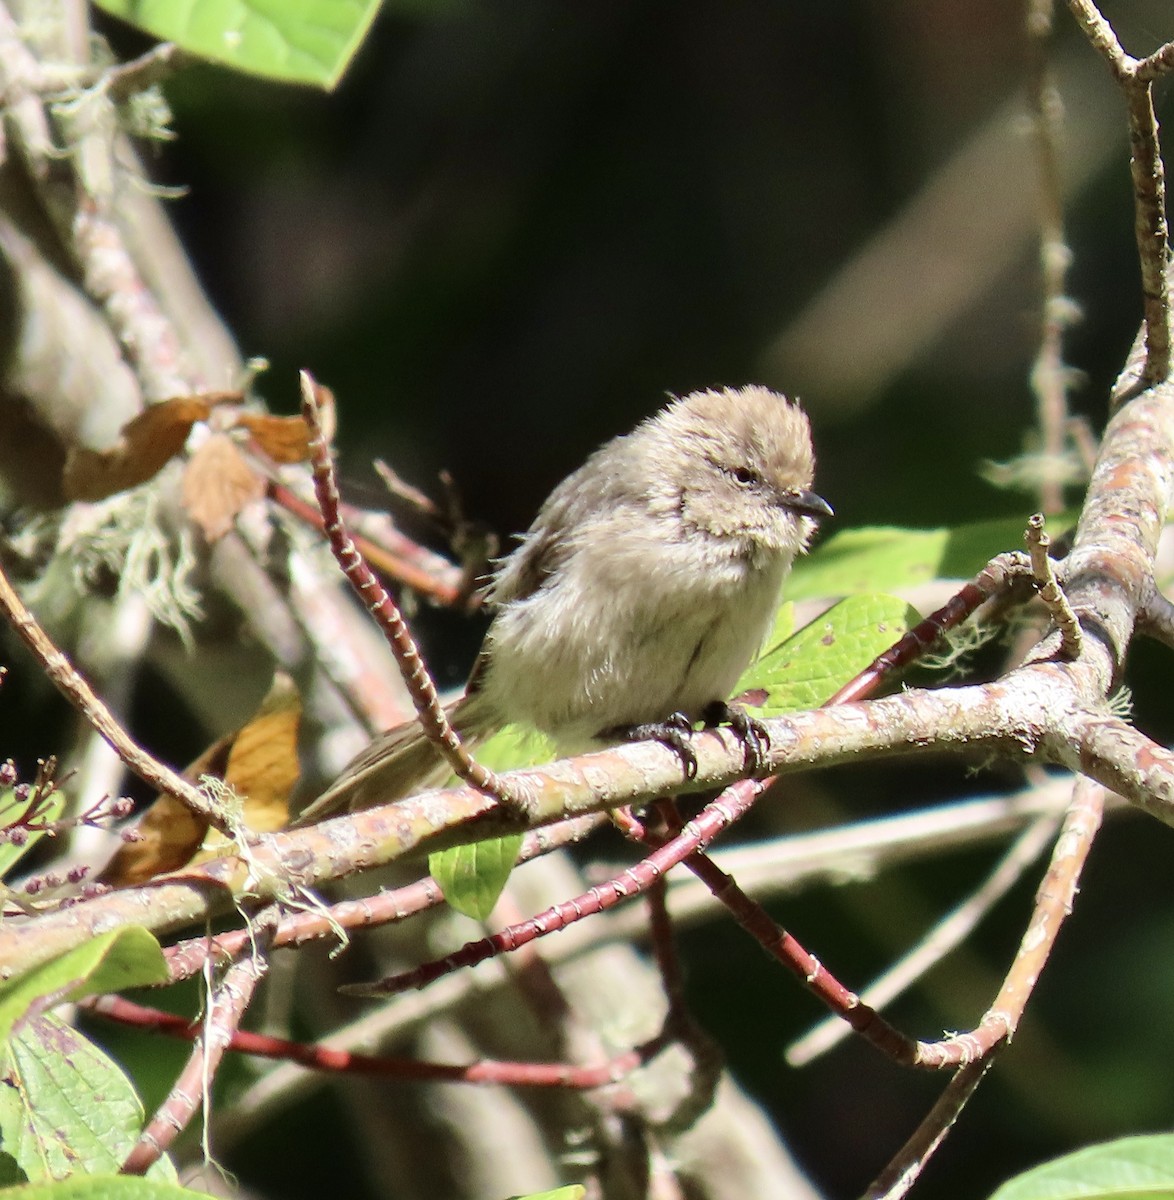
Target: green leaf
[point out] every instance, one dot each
(574, 1192)
(50, 810)
(515, 746)
(65, 1106)
(104, 1187)
(121, 958)
(472, 877)
(1133, 1168)
(297, 41)
(860, 559)
(784, 625)
(882, 558)
(806, 669)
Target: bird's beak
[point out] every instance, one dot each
(808, 503)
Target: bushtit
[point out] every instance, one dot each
(647, 583)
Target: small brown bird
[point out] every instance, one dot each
(646, 585)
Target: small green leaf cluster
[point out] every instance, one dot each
(69, 1116)
(311, 42)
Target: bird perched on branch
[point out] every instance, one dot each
(646, 585)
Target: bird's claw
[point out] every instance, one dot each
(750, 731)
(674, 732)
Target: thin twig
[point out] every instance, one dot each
(906, 1166)
(664, 947)
(715, 817)
(430, 575)
(1054, 900)
(946, 935)
(1150, 228)
(213, 1036)
(1102, 36)
(474, 545)
(186, 958)
(804, 966)
(705, 1057)
(83, 698)
(1049, 377)
(332, 1060)
(433, 720)
(1050, 592)
(1148, 175)
(1053, 903)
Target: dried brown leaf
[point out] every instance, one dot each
(259, 762)
(283, 439)
(263, 762)
(144, 446)
(168, 834)
(217, 484)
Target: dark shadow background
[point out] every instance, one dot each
(515, 227)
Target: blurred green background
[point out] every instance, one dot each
(517, 225)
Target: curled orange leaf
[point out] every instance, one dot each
(144, 446)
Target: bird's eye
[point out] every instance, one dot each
(744, 475)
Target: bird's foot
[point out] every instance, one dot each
(674, 732)
(749, 731)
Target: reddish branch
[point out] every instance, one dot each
(212, 1037)
(1054, 901)
(407, 1070)
(994, 579)
(188, 957)
(706, 1059)
(949, 932)
(715, 817)
(390, 620)
(810, 972)
(405, 562)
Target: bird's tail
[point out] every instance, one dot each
(398, 763)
